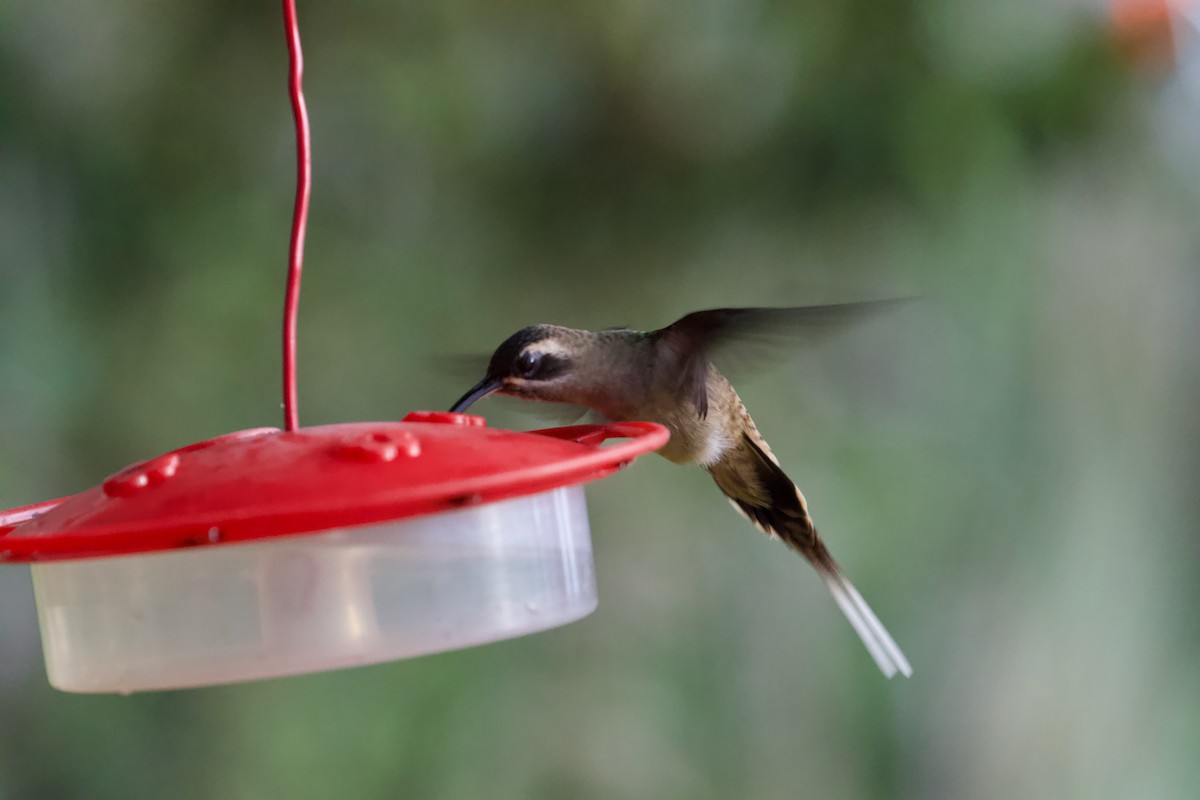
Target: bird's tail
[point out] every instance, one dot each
(776, 506)
(878, 641)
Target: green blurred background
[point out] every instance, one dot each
(1007, 471)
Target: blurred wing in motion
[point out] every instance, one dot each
(748, 336)
(544, 413)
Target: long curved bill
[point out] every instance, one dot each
(480, 390)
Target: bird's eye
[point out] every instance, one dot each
(528, 363)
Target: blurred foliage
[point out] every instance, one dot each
(1008, 472)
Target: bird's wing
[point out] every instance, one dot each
(744, 333)
(545, 413)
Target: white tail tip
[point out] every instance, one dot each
(878, 641)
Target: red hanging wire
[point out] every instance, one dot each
(291, 418)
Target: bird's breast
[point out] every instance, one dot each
(693, 440)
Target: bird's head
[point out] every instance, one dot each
(537, 363)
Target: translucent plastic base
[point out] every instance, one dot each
(323, 601)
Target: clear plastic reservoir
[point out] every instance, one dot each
(341, 598)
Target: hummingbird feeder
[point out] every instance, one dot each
(271, 552)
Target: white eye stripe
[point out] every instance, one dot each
(547, 347)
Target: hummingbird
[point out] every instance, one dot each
(668, 376)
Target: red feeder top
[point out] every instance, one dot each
(262, 483)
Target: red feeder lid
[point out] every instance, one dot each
(263, 482)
